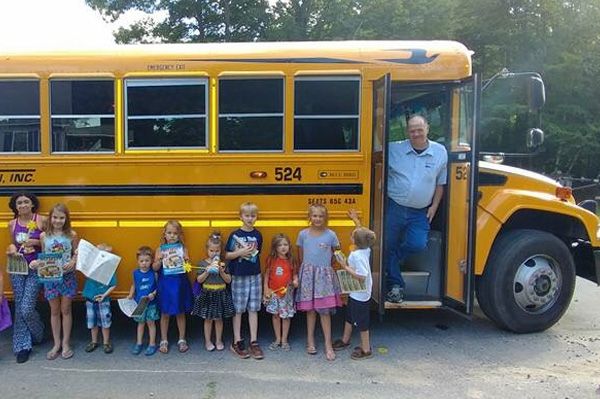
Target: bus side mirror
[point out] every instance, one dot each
(535, 138)
(537, 93)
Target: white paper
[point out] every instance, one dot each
(95, 263)
(127, 306)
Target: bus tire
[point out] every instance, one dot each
(528, 281)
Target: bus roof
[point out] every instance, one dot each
(438, 59)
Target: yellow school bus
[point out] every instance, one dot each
(131, 136)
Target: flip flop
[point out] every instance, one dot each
(220, 347)
(53, 354)
(311, 350)
(67, 354)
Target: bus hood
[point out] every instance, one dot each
(516, 177)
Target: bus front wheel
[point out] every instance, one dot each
(528, 281)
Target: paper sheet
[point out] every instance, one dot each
(95, 263)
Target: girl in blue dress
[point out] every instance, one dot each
(174, 291)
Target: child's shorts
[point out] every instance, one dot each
(358, 314)
(246, 292)
(98, 314)
(150, 314)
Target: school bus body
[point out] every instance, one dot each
(124, 196)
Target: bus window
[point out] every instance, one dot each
(251, 114)
(19, 116)
(82, 115)
(326, 113)
(432, 103)
(166, 113)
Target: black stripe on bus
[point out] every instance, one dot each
(187, 189)
(308, 60)
(491, 179)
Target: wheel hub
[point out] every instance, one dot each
(537, 284)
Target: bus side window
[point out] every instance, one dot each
(166, 113)
(326, 113)
(251, 114)
(82, 115)
(19, 116)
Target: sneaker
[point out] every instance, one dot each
(238, 349)
(396, 294)
(255, 351)
(137, 349)
(151, 350)
(23, 355)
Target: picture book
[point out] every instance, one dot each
(50, 267)
(172, 258)
(350, 284)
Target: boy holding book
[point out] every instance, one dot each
(358, 309)
(242, 251)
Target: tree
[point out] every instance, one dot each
(189, 20)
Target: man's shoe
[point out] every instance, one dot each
(23, 355)
(396, 294)
(238, 349)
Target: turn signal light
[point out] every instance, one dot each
(564, 193)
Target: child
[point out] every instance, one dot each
(59, 238)
(144, 285)
(243, 247)
(357, 309)
(318, 290)
(174, 291)
(214, 302)
(97, 306)
(281, 275)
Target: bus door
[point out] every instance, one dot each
(461, 197)
(381, 112)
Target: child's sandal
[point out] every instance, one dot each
(182, 345)
(285, 347)
(164, 347)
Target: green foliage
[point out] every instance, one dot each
(559, 39)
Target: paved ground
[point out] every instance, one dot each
(424, 354)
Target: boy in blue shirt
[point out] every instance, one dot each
(242, 251)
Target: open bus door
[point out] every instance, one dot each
(461, 198)
(449, 260)
(381, 110)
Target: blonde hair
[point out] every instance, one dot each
(363, 237)
(249, 207)
(145, 250)
(66, 230)
(178, 227)
(322, 207)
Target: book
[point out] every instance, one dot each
(96, 263)
(172, 259)
(49, 267)
(350, 284)
(131, 308)
(242, 243)
(17, 264)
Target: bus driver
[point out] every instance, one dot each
(416, 179)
